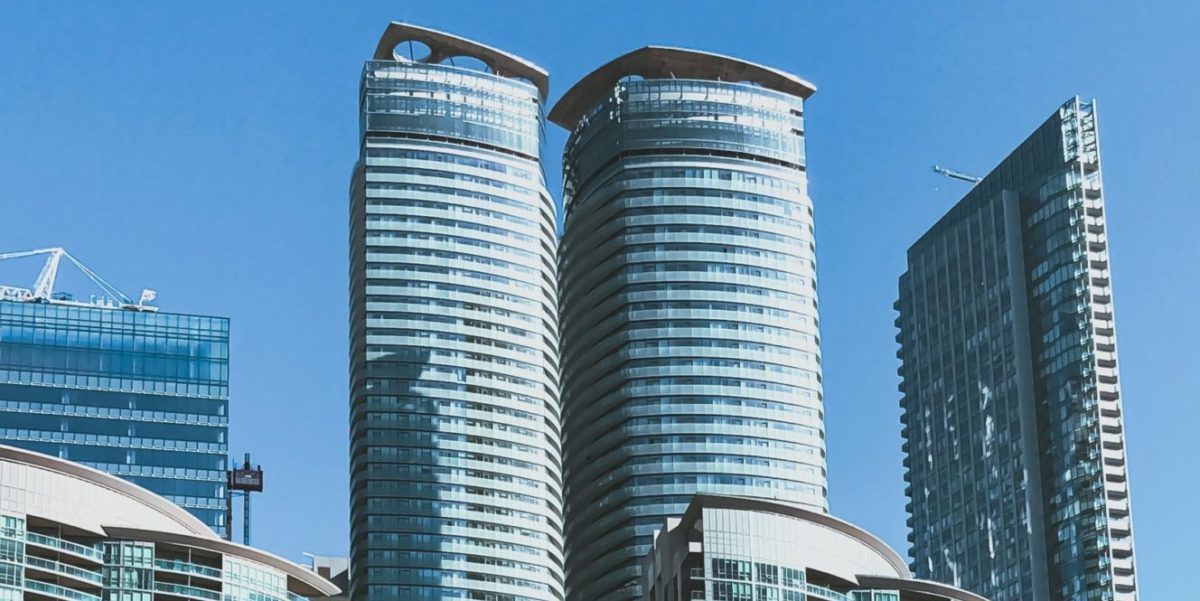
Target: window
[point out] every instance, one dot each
(793, 577)
(731, 569)
(766, 593)
(731, 591)
(768, 574)
(10, 574)
(11, 550)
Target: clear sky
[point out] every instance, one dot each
(204, 150)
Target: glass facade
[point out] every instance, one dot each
(455, 468)
(738, 549)
(140, 395)
(41, 560)
(1013, 428)
(691, 357)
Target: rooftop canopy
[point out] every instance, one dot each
(660, 62)
(444, 46)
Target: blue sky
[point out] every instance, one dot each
(204, 150)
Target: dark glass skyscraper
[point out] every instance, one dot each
(455, 469)
(1013, 427)
(691, 356)
(137, 394)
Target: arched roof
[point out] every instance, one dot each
(661, 62)
(444, 45)
(89, 486)
(300, 580)
(919, 586)
(703, 501)
(141, 496)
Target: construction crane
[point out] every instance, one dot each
(43, 287)
(959, 175)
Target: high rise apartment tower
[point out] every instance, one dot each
(454, 415)
(691, 358)
(1018, 487)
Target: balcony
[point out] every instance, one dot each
(95, 554)
(191, 569)
(825, 593)
(58, 592)
(187, 592)
(86, 577)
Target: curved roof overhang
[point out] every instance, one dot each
(302, 581)
(661, 62)
(444, 45)
(152, 501)
(919, 586)
(702, 501)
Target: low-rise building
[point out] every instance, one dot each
(741, 549)
(72, 533)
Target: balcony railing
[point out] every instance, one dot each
(190, 592)
(185, 567)
(825, 593)
(53, 590)
(42, 540)
(47, 565)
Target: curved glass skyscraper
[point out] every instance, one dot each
(455, 475)
(691, 358)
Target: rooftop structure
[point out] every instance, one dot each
(445, 47)
(43, 288)
(661, 62)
